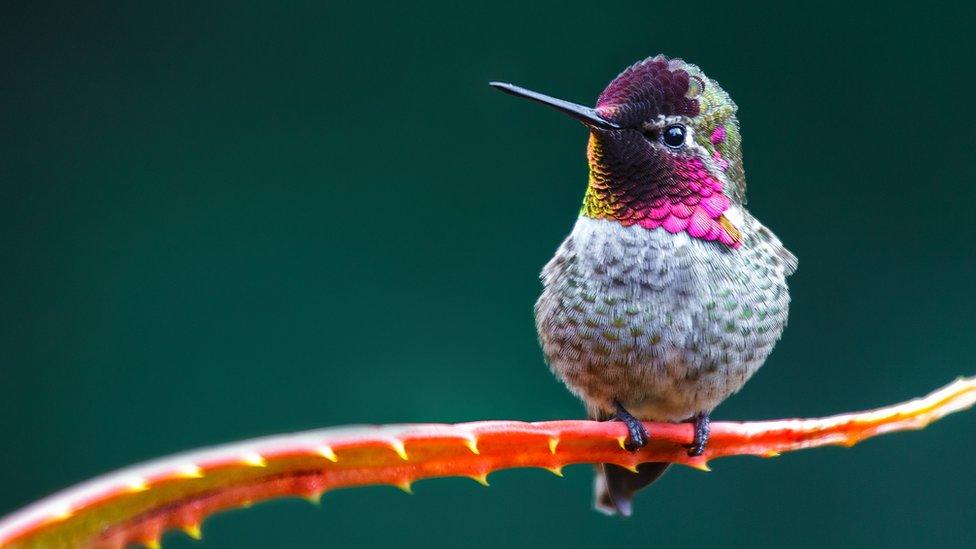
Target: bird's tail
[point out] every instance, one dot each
(615, 486)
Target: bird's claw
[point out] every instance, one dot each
(702, 423)
(636, 433)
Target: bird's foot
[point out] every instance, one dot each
(636, 433)
(702, 423)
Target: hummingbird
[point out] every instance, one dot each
(667, 295)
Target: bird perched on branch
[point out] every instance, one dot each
(668, 294)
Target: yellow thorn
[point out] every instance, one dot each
(253, 459)
(553, 442)
(193, 530)
(189, 470)
(701, 465)
(771, 454)
(481, 479)
(315, 498)
(558, 471)
(405, 486)
(472, 444)
(137, 484)
(327, 453)
(152, 543)
(246, 504)
(398, 447)
(632, 468)
(622, 442)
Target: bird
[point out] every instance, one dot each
(668, 294)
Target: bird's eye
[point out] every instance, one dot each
(674, 136)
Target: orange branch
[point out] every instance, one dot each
(138, 504)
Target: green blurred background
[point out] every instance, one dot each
(228, 220)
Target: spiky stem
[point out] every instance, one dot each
(138, 504)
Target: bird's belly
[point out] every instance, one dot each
(663, 365)
(666, 333)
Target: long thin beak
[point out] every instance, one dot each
(585, 115)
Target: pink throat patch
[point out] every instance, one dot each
(718, 135)
(695, 206)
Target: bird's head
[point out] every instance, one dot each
(664, 150)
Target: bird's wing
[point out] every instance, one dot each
(786, 257)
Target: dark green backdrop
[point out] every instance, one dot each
(230, 220)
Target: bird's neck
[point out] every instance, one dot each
(682, 195)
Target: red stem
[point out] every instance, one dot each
(138, 504)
